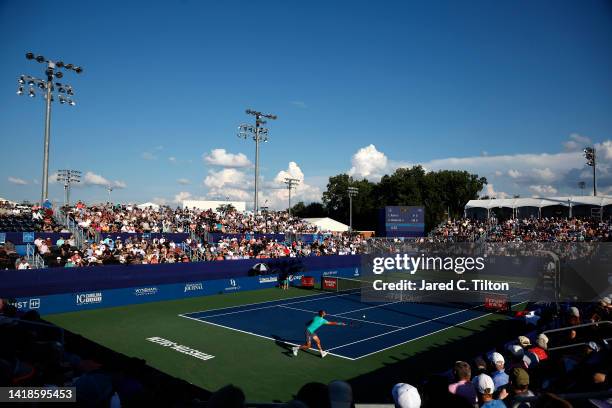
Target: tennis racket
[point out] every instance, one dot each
(353, 324)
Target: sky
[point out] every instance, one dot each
(509, 90)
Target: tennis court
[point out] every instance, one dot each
(371, 326)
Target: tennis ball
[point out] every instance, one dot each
(364, 316)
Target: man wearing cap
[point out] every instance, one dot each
(499, 376)
(485, 387)
(406, 396)
(519, 386)
(530, 359)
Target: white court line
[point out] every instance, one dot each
(259, 335)
(366, 308)
(347, 318)
(407, 327)
(428, 334)
(418, 324)
(264, 307)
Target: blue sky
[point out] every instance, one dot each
(511, 90)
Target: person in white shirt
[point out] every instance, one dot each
(23, 264)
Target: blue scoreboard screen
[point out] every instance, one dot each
(403, 221)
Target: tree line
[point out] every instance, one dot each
(443, 193)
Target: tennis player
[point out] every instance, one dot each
(315, 324)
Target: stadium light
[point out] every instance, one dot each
(590, 155)
(291, 184)
(51, 72)
(68, 177)
(109, 188)
(352, 192)
(259, 134)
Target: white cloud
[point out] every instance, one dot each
(369, 163)
(230, 193)
(514, 173)
(604, 150)
(220, 157)
(543, 190)
(576, 142)
(93, 179)
(183, 181)
(160, 201)
(489, 191)
(546, 174)
(498, 173)
(226, 177)
(172, 159)
(16, 180)
(183, 195)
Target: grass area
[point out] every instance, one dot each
(259, 366)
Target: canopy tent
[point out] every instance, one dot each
(599, 201)
(147, 205)
(535, 205)
(327, 224)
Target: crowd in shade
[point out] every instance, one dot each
(549, 229)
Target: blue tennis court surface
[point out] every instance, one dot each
(385, 325)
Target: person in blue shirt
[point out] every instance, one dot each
(313, 326)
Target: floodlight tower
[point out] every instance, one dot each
(109, 188)
(64, 93)
(591, 158)
(291, 184)
(68, 177)
(259, 134)
(352, 192)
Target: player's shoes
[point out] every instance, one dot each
(323, 354)
(295, 350)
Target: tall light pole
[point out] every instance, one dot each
(291, 184)
(259, 134)
(68, 177)
(590, 155)
(352, 192)
(581, 185)
(110, 190)
(64, 93)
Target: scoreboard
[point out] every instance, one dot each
(401, 221)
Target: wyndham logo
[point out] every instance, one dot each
(88, 298)
(193, 286)
(146, 291)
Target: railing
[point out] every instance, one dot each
(578, 326)
(34, 259)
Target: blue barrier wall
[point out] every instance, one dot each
(72, 289)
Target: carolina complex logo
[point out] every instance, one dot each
(189, 287)
(145, 291)
(180, 348)
(88, 298)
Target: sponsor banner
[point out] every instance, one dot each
(329, 283)
(308, 282)
(87, 300)
(146, 291)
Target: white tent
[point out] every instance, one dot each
(147, 205)
(600, 201)
(539, 203)
(327, 224)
